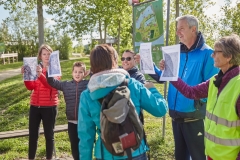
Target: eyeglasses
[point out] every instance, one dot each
(215, 52)
(127, 58)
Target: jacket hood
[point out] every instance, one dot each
(197, 44)
(100, 84)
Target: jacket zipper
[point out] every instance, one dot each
(181, 78)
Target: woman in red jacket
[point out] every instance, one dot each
(44, 100)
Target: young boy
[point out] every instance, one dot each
(72, 91)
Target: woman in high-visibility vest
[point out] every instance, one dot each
(222, 120)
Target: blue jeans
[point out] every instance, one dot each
(140, 157)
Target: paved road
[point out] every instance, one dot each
(9, 73)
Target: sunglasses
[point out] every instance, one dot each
(127, 59)
(215, 52)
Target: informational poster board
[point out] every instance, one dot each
(148, 27)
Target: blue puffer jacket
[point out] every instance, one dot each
(99, 86)
(196, 66)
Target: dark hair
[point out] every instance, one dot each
(43, 46)
(102, 58)
(130, 51)
(79, 64)
(230, 46)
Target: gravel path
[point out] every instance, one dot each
(9, 73)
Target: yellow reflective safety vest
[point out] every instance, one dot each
(222, 124)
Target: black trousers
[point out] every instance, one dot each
(47, 115)
(74, 140)
(189, 140)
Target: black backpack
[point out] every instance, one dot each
(121, 128)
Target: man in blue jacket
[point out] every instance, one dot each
(196, 66)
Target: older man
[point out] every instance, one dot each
(196, 66)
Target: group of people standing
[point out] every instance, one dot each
(204, 103)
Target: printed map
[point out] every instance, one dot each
(148, 27)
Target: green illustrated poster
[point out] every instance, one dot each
(2, 47)
(148, 27)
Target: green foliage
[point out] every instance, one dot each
(23, 36)
(65, 47)
(79, 48)
(100, 16)
(196, 8)
(230, 21)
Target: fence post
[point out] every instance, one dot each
(8, 59)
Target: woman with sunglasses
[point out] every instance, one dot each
(129, 64)
(222, 119)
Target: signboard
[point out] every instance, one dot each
(2, 47)
(148, 27)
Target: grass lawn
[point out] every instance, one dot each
(14, 65)
(14, 107)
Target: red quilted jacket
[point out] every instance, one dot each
(42, 93)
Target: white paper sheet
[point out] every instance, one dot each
(54, 68)
(171, 56)
(30, 66)
(146, 62)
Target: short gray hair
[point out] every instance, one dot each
(190, 19)
(230, 46)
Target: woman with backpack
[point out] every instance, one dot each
(106, 78)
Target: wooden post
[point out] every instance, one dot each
(8, 59)
(13, 58)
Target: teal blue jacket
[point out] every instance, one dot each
(89, 110)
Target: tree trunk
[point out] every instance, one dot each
(177, 15)
(100, 30)
(119, 32)
(40, 22)
(105, 31)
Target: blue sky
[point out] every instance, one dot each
(3, 13)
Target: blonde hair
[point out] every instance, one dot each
(43, 46)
